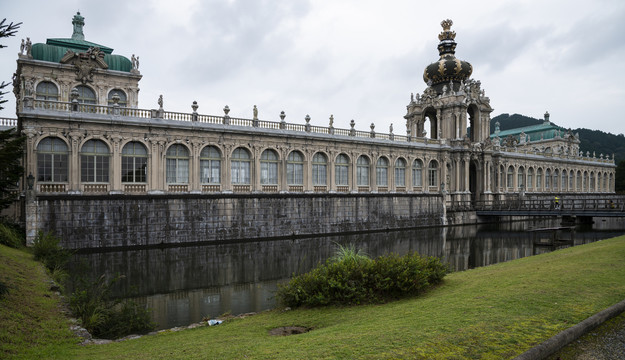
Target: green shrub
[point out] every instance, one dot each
(46, 249)
(4, 290)
(10, 236)
(106, 317)
(356, 280)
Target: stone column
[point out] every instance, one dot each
(116, 178)
(195, 184)
(330, 171)
(226, 171)
(74, 169)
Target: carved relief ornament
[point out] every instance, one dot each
(85, 63)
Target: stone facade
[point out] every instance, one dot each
(87, 137)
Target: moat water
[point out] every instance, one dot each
(183, 285)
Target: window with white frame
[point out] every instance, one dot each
(269, 167)
(94, 162)
(177, 164)
(210, 165)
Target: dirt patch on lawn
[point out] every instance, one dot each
(289, 330)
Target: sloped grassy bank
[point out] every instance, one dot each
(495, 312)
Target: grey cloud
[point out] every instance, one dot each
(496, 46)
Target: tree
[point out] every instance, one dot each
(11, 143)
(619, 183)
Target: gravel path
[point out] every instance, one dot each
(606, 342)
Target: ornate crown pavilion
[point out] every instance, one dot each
(448, 67)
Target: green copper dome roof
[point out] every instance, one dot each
(54, 49)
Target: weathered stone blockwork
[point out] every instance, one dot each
(116, 221)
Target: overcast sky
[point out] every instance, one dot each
(355, 59)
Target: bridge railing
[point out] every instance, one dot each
(616, 204)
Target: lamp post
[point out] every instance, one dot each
(30, 181)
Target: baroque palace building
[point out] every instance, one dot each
(86, 134)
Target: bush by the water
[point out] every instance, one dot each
(104, 316)
(357, 279)
(46, 248)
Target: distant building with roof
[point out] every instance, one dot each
(543, 138)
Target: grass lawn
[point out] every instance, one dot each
(494, 312)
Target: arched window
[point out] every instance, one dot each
(240, 165)
(400, 172)
(52, 165)
(177, 164)
(122, 97)
(530, 178)
(547, 180)
(381, 172)
(433, 174)
(269, 167)
(362, 171)
(210, 165)
(571, 176)
(599, 182)
(319, 169)
(47, 90)
(539, 179)
(591, 186)
(556, 178)
(85, 95)
(521, 178)
(585, 181)
(295, 168)
(605, 183)
(579, 180)
(341, 170)
(563, 181)
(417, 173)
(510, 178)
(134, 163)
(94, 162)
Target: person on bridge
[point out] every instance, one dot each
(557, 203)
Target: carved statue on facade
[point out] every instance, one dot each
(28, 46)
(255, 113)
(160, 101)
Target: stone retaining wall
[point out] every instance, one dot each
(146, 220)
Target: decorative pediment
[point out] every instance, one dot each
(85, 63)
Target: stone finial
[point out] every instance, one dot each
(74, 95)
(352, 131)
(546, 117)
(78, 22)
(194, 106)
(372, 126)
(115, 99)
(282, 116)
(226, 110)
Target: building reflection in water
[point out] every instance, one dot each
(185, 284)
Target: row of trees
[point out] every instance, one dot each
(11, 143)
